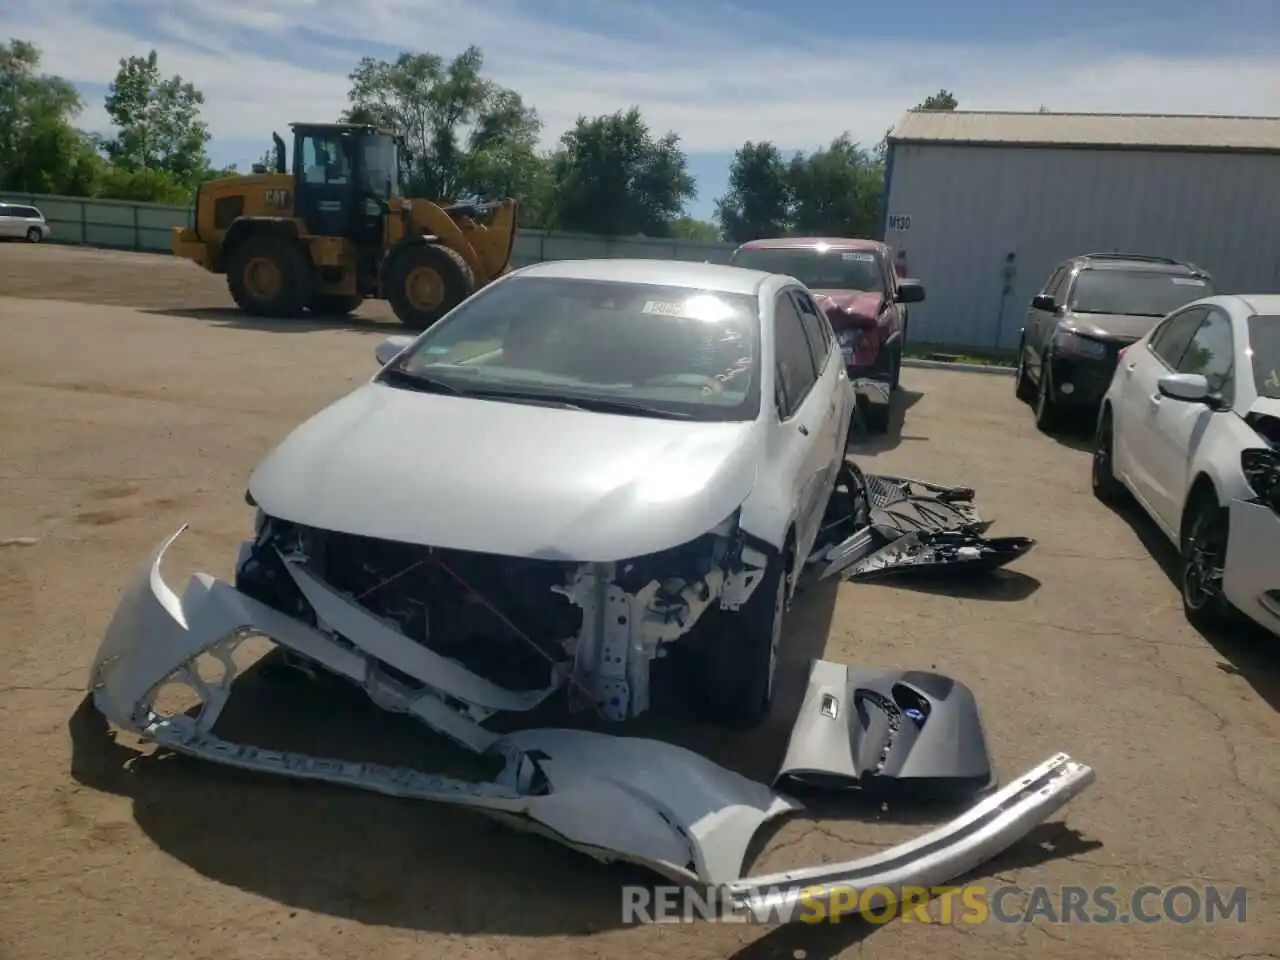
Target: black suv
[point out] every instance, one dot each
(1091, 308)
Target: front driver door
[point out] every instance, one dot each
(323, 181)
(1140, 372)
(1179, 427)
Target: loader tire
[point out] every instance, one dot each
(425, 282)
(269, 277)
(334, 305)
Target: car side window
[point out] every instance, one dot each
(815, 329)
(1211, 353)
(1054, 286)
(793, 360)
(1170, 340)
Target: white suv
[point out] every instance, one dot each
(21, 221)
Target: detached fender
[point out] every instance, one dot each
(860, 728)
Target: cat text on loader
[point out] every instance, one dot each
(337, 230)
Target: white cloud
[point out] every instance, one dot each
(717, 80)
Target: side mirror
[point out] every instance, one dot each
(1186, 387)
(1042, 301)
(386, 351)
(910, 291)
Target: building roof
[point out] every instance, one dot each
(1130, 131)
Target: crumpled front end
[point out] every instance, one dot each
(613, 798)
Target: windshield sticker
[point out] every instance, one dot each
(860, 257)
(437, 351)
(664, 308)
(1188, 282)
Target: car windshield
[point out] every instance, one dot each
(818, 268)
(1264, 347)
(645, 349)
(1135, 292)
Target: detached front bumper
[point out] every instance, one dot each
(613, 798)
(1251, 576)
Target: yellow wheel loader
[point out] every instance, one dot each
(336, 230)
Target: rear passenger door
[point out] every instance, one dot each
(832, 375)
(802, 451)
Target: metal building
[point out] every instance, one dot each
(986, 203)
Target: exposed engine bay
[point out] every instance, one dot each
(525, 625)
(530, 627)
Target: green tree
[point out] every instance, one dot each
(837, 191)
(758, 201)
(464, 136)
(41, 151)
(158, 123)
(612, 176)
(942, 100)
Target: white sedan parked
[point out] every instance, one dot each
(1191, 428)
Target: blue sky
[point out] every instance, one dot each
(717, 72)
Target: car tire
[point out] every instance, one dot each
(1105, 485)
(739, 655)
(1202, 557)
(1047, 414)
(34, 235)
(895, 377)
(1023, 388)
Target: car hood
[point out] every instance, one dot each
(1111, 326)
(506, 478)
(858, 303)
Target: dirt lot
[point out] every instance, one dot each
(117, 425)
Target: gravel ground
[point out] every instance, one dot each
(122, 421)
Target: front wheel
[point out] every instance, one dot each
(1023, 388)
(740, 654)
(34, 235)
(1105, 485)
(1046, 409)
(1203, 557)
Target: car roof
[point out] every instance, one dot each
(668, 273)
(808, 243)
(1135, 263)
(1264, 304)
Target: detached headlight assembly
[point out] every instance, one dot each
(1262, 472)
(1068, 343)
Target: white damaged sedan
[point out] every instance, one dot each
(583, 463)
(577, 466)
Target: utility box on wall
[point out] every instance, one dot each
(989, 203)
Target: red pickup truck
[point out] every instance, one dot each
(864, 292)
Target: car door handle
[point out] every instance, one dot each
(1154, 399)
(1131, 366)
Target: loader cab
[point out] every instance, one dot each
(345, 175)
